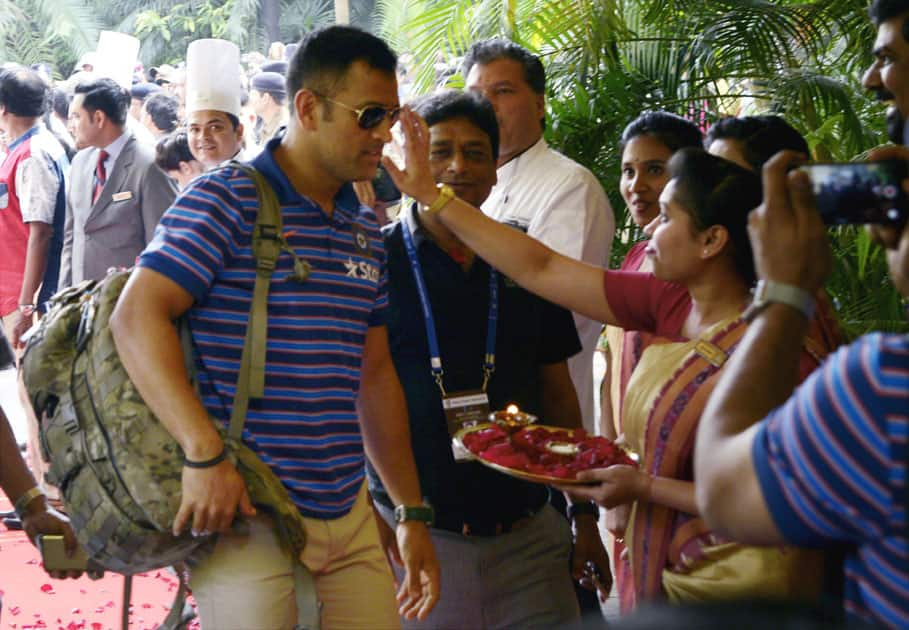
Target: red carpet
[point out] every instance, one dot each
(32, 599)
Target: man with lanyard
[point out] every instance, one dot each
(466, 340)
(331, 392)
(549, 196)
(213, 91)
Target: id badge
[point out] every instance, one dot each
(464, 409)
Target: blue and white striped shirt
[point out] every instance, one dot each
(306, 426)
(832, 465)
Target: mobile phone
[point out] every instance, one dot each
(860, 192)
(53, 554)
(385, 188)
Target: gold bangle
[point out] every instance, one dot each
(446, 194)
(25, 499)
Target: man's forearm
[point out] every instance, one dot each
(39, 236)
(386, 436)
(149, 347)
(15, 478)
(759, 377)
(761, 374)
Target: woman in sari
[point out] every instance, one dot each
(701, 281)
(647, 144)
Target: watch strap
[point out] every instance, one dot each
(446, 194)
(583, 507)
(422, 513)
(767, 292)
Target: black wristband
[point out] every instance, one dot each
(208, 463)
(585, 507)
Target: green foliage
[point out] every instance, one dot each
(181, 24)
(609, 60)
(33, 31)
(59, 31)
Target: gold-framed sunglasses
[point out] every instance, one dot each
(370, 116)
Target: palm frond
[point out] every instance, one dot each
(243, 14)
(71, 21)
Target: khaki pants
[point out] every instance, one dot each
(247, 583)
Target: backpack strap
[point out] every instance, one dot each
(267, 244)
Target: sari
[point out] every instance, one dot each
(673, 554)
(624, 349)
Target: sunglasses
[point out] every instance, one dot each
(370, 116)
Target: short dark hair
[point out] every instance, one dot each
(882, 10)
(489, 50)
(61, 103)
(163, 110)
(173, 149)
(106, 95)
(718, 192)
(326, 54)
(23, 92)
(669, 129)
(472, 107)
(762, 137)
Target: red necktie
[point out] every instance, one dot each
(100, 175)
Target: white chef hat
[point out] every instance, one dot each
(213, 76)
(116, 57)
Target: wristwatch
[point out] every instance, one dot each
(583, 507)
(422, 513)
(27, 309)
(446, 194)
(768, 292)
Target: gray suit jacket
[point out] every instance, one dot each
(113, 231)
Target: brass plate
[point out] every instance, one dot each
(514, 472)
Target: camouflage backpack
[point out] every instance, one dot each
(118, 468)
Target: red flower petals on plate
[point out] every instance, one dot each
(539, 453)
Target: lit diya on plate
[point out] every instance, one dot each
(540, 453)
(511, 416)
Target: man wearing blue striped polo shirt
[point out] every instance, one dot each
(329, 375)
(828, 464)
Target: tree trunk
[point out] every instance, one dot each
(342, 11)
(270, 14)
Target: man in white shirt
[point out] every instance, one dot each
(551, 197)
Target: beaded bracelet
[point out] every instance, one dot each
(208, 463)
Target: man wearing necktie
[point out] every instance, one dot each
(116, 194)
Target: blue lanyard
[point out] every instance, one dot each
(435, 359)
(28, 134)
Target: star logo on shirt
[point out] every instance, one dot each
(362, 270)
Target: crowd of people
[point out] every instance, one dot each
(471, 274)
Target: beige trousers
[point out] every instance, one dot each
(247, 583)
